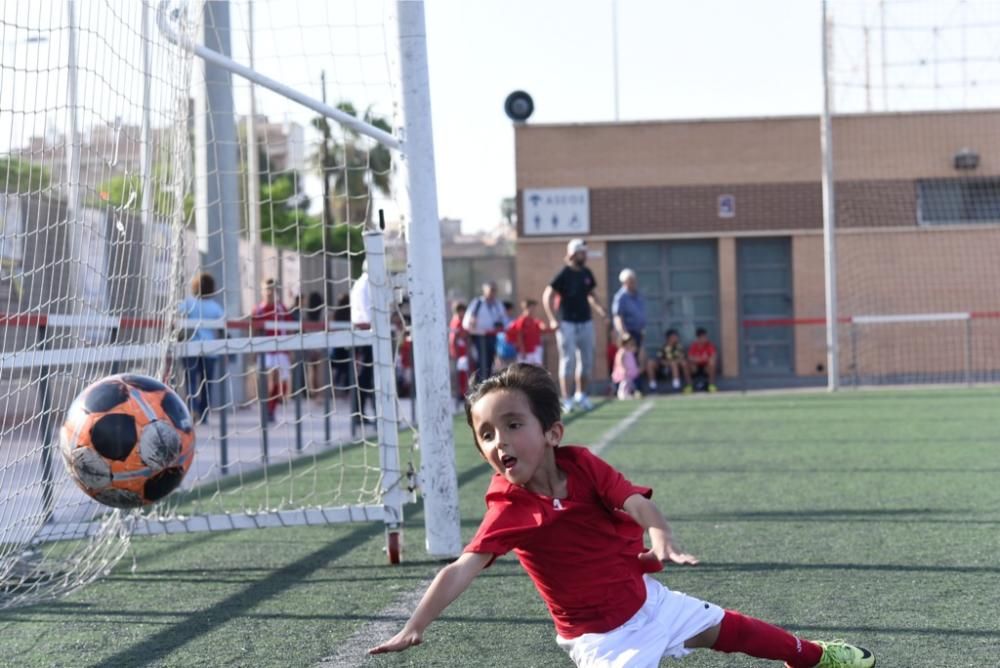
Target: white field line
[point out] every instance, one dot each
(390, 619)
(609, 437)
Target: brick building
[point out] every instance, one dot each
(723, 219)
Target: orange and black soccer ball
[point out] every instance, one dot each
(127, 440)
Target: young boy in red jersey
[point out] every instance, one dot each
(266, 318)
(526, 333)
(576, 524)
(458, 349)
(702, 359)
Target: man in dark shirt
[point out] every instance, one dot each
(575, 285)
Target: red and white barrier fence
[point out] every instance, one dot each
(262, 335)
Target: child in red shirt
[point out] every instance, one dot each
(526, 334)
(702, 358)
(458, 349)
(266, 318)
(576, 524)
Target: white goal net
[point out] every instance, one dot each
(915, 102)
(159, 215)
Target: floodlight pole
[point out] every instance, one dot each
(829, 217)
(438, 477)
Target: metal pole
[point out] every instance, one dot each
(614, 51)
(885, 67)
(425, 275)
(829, 215)
(328, 282)
(968, 352)
(145, 143)
(253, 174)
(217, 199)
(854, 355)
(72, 102)
(324, 148)
(45, 403)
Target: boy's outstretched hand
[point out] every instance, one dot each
(402, 640)
(652, 562)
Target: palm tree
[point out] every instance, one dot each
(358, 166)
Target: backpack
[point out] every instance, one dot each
(505, 349)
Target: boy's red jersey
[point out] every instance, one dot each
(458, 338)
(526, 334)
(581, 552)
(701, 351)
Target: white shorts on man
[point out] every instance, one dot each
(659, 629)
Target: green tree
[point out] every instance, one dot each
(125, 192)
(284, 214)
(20, 176)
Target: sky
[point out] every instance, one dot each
(676, 59)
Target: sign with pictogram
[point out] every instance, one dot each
(557, 211)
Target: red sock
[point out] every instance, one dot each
(739, 633)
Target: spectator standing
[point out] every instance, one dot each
(458, 350)
(267, 316)
(484, 319)
(628, 308)
(526, 334)
(363, 367)
(575, 285)
(202, 370)
(702, 359)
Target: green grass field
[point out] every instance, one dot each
(871, 516)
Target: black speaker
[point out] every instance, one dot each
(518, 106)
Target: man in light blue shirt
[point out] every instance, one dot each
(628, 308)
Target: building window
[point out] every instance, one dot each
(958, 201)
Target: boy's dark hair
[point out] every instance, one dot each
(458, 306)
(528, 303)
(534, 381)
(701, 331)
(670, 332)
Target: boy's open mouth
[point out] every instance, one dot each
(508, 462)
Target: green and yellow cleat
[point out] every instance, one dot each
(841, 655)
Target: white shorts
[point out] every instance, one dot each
(659, 629)
(279, 361)
(534, 357)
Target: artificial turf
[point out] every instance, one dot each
(866, 515)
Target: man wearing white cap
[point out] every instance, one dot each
(575, 285)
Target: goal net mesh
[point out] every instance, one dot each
(915, 103)
(123, 184)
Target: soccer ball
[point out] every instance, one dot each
(127, 440)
